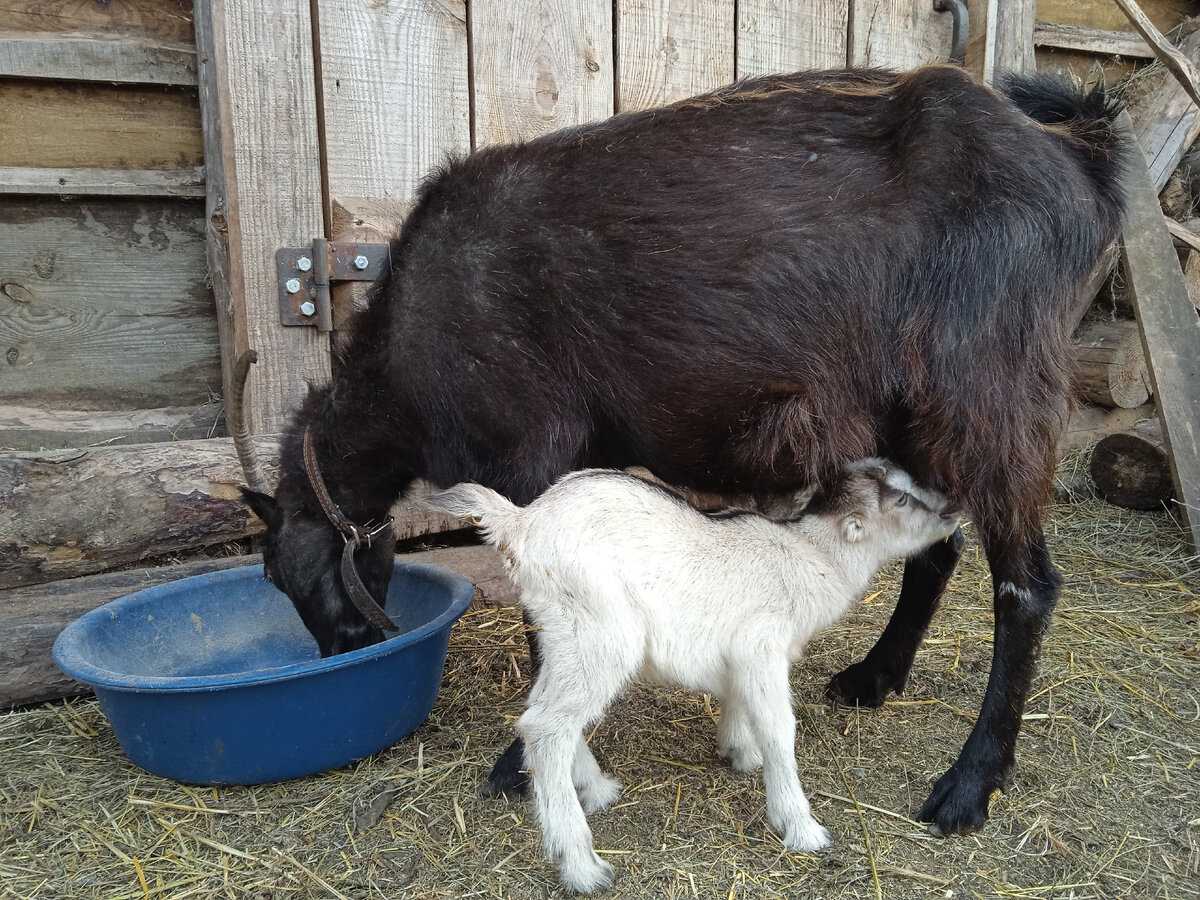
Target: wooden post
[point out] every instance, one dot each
(539, 65)
(1170, 333)
(258, 103)
(789, 35)
(671, 49)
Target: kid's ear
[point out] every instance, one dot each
(853, 529)
(264, 507)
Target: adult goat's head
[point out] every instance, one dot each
(305, 554)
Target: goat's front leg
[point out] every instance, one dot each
(1025, 588)
(596, 790)
(761, 689)
(509, 775)
(885, 668)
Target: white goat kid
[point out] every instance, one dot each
(627, 581)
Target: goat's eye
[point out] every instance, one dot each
(903, 501)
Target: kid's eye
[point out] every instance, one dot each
(903, 501)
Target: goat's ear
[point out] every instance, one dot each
(264, 507)
(853, 528)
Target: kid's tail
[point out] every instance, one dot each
(502, 522)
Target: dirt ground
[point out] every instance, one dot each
(1105, 803)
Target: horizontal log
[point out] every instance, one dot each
(1131, 468)
(96, 57)
(77, 512)
(168, 21)
(102, 182)
(1110, 367)
(31, 617)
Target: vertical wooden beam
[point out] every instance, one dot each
(1014, 36)
(671, 49)
(540, 65)
(788, 35)
(264, 176)
(898, 34)
(1170, 333)
(396, 103)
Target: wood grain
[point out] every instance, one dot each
(1091, 40)
(97, 57)
(159, 20)
(41, 428)
(102, 182)
(898, 34)
(788, 35)
(539, 66)
(1170, 335)
(65, 125)
(1165, 121)
(259, 95)
(105, 305)
(671, 49)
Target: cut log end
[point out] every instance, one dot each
(1131, 469)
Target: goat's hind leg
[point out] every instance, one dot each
(885, 668)
(735, 738)
(1025, 587)
(596, 790)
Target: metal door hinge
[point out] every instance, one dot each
(305, 274)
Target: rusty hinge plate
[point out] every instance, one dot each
(305, 273)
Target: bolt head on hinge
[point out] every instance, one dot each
(308, 308)
(361, 262)
(293, 285)
(304, 264)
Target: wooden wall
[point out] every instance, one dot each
(107, 324)
(108, 329)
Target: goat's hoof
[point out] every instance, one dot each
(587, 878)
(599, 794)
(741, 759)
(958, 804)
(862, 685)
(508, 778)
(805, 835)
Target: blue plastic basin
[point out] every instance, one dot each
(214, 679)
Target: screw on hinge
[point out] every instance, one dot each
(361, 262)
(293, 285)
(304, 264)
(308, 308)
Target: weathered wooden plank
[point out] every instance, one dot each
(1165, 121)
(40, 428)
(898, 34)
(539, 66)
(31, 617)
(1014, 21)
(1091, 40)
(96, 57)
(105, 305)
(671, 49)
(102, 182)
(1170, 335)
(1177, 63)
(157, 20)
(788, 35)
(264, 172)
(64, 125)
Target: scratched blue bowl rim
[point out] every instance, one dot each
(69, 653)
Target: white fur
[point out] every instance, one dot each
(627, 582)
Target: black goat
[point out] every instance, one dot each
(740, 292)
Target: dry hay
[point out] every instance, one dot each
(1106, 800)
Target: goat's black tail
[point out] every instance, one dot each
(1085, 117)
